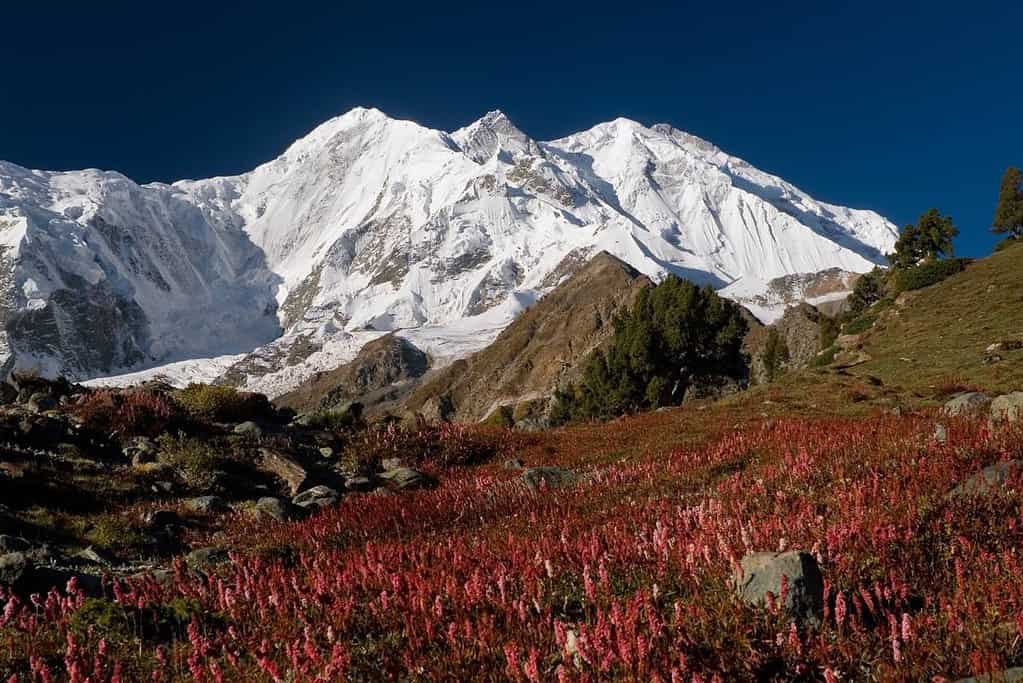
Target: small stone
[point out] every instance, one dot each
(207, 557)
(327, 452)
(548, 477)
(359, 484)
(763, 573)
(391, 464)
(407, 478)
(162, 487)
(249, 428)
(940, 433)
(94, 556)
(207, 505)
(514, 464)
(277, 509)
(316, 498)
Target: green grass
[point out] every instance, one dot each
(942, 332)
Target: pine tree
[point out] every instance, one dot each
(1009, 214)
(930, 239)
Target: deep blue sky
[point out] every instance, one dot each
(894, 106)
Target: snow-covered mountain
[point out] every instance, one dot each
(370, 224)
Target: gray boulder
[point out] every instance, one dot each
(316, 498)
(1007, 408)
(277, 509)
(406, 478)
(536, 478)
(762, 574)
(966, 404)
(988, 479)
(207, 505)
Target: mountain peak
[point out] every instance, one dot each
(491, 136)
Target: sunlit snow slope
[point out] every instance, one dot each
(371, 224)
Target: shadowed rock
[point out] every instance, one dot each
(989, 479)
(764, 573)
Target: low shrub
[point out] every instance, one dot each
(928, 273)
(128, 413)
(115, 532)
(441, 445)
(825, 357)
(860, 325)
(221, 404)
(950, 386)
(341, 419)
(198, 463)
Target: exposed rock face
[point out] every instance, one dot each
(542, 349)
(827, 290)
(376, 375)
(799, 330)
(803, 588)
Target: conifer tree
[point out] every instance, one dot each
(1009, 214)
(929, 239)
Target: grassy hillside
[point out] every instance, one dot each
(941, 333)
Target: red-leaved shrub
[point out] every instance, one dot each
(127, 413)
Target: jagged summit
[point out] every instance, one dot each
(494, 135)
(370, 224)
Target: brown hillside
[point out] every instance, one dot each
(541, 349)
